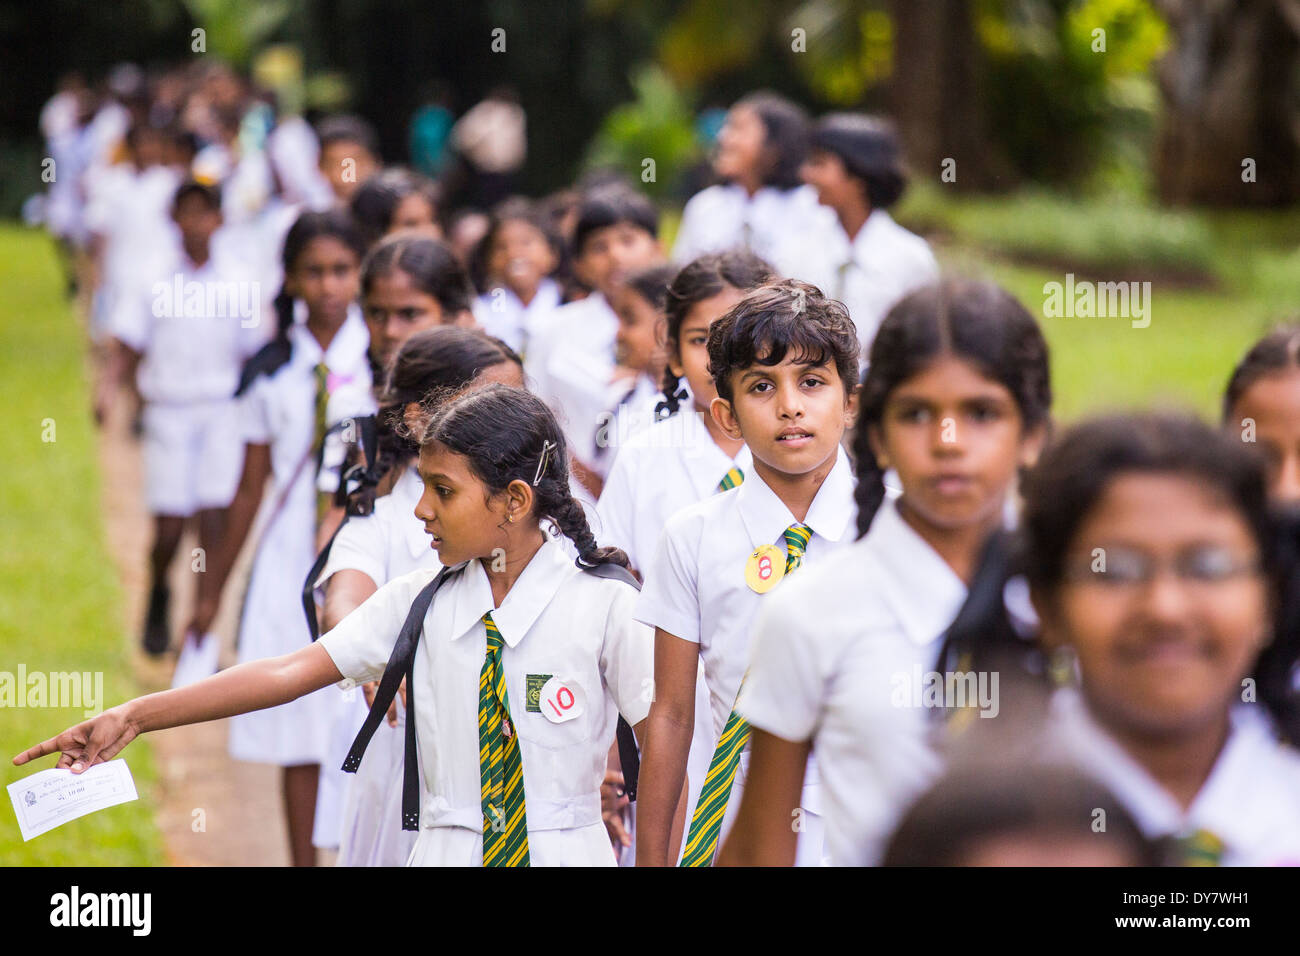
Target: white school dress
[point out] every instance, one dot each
(503, 314)
(1251, 800)
(191, 326)
(279, 410)
(556, 620)
(871, 272)
(834, 654)
(695, 589)
(383, 545)
(773, 223)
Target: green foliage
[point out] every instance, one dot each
(1094, 234)
(657, 125)
(235, 29)
(60, 601)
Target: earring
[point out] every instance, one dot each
(1061, 666)
(510, 518)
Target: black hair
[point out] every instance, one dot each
(611, 205)
(1275, 352)
(779, 318)
(869, 149)
(348, 129)
(430, 363)
(1072, 476)
(514, 209)
(651, 284)
(972, 320)
(210, 193)
(377, 199)
(334, 224)
(700, 279)
(971, 806)
(507, 434)
(432, 266)
(786, 127)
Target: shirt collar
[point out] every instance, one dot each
(532, 592)
(1217, 807)
(347, 348)
(766, 516)
(924, 593)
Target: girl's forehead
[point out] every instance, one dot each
(326, 248)
(437, 458)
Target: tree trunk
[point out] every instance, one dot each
(935, 91)
(1228, 84)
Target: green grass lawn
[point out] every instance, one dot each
(1240, 276)
(60, 600)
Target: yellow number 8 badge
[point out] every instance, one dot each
(765, 568)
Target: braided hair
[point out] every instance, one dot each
(701, 279)
(973, 320)
(507, 434)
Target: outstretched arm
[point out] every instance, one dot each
(246, 687)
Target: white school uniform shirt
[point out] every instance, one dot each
(695, 589)
(659, 471)
(871, 272)
(555, 620)
(503, 314)
(279, 410)
(191, 353)
(831, 648)
(773, 223)
(574, 370)
(1250, 801)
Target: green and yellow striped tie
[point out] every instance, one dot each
(505, 821)
(1201, 848)
(731, 479)
(706, 823)
(322, 375)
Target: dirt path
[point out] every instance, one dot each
(242, 818)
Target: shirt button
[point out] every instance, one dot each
(347, 683)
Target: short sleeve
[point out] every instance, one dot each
(129, 320)
(362, 642)
(361, 545)
(617, 505)
(670, 596)
(784, 690)
(255, 414)
(687, 246)
(627, 658)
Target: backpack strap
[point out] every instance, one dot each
(400, 665)
(361, 475)
(628, 753)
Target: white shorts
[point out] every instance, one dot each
(193, 456)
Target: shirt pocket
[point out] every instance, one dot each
(559, 719)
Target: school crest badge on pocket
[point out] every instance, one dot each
(533, 688)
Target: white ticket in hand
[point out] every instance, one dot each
(51, 798)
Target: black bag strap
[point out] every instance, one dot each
(358, 476)
(401, 664)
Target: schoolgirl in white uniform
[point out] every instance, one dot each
(313, 375)
(516, 263)
(762, 205)
(375, 547)
(718, 559)
(864, 258)
(955, 399)
(187, 339)
(1178, 651)
(523, 666)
